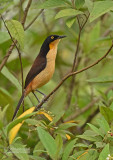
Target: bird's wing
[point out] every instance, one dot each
(38, 65)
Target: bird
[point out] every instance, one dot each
(42, 69)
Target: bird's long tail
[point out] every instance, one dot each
(18, 106)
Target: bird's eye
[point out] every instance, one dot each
(52, 37)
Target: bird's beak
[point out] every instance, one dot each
(61, 37)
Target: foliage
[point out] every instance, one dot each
(77, 122)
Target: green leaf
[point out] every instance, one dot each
(19, 151)
(66, 125)
(76, 155)
(6, 98)
(17, 31)
(70, 21)
(111, 106)
(79, 3)
(110, 94)
(89, 5)
(67, 12)
(2, 113)
(107, 79)
(81, 145)
(59, 144)
(4, 36)
(107, 113)
(38, 149)
(87, 155)
(14, 81)
(69, 147)
(100, 144)
(32, 121)
(48, 141)
(1, 124)
(104, 153)
(103, 124)
(89, 138)
(90, 135)
(95, 129)
(52, 4)
(10, 77)
(100, 8)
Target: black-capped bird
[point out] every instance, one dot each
(42, 69)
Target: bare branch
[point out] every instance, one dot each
(7, 55)
(26, 12)
(74, 67)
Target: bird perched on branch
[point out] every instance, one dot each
(42, 69)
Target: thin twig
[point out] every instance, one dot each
(34, 19)
(71, 87)
(71, 74)
(7, 55)
(78, 42)
(26, 12)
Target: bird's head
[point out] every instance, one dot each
(50, 42)
(53, 40)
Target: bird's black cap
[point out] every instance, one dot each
(52, 38)
(45, 46)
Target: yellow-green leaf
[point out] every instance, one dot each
(48, 141)
(67, 12)
(17, 31)
(100, 8)
(70, 21)
(52, 4)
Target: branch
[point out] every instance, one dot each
(75, 64)
(26, 12)
(33, 19)
(7, 55)
(69, 75)
(78, 42)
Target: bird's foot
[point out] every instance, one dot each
(36, 97)
(41, 93)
